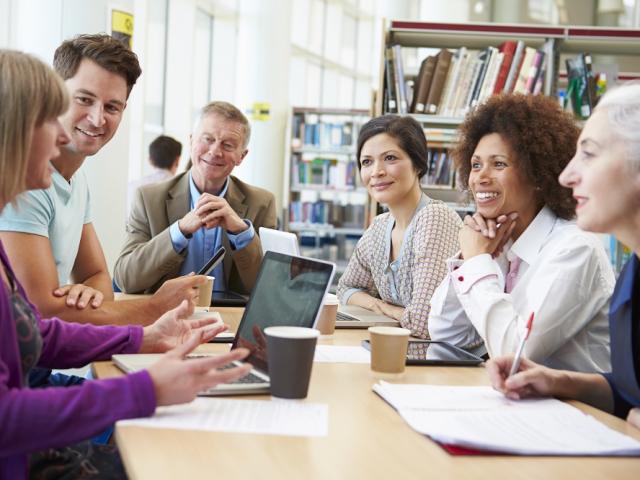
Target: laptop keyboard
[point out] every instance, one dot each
(249, 378)
(343, 317)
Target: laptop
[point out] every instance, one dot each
(353, 316)
(289, 291)
(349, 316)
(278, 241)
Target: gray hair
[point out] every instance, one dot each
(623, 110)
(227, 111)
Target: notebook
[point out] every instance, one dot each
(289, 291)
(278, 241)
(353, 316)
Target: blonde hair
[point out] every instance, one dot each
(30, 94)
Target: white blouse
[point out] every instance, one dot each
(565, 278)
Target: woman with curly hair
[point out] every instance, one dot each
(521, 253)
(605, 178)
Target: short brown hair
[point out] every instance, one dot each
(229, 112)
(405, 130)
(163, 151)
(111, 54)
(542, 137)
(30, 94)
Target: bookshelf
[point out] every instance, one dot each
(400, 80)
(325, 203)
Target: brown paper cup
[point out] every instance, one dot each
(327, 319)
(204, 293)
(388, 349)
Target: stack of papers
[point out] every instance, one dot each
(481, 418)
(271, 417)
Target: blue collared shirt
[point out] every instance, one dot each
(204, 242)
(623, 323)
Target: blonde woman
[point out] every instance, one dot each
(43, 420)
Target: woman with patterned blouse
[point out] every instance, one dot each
(400, 259)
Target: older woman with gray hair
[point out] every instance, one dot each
(605, 178)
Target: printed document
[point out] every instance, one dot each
(271, 417)
(482, 418)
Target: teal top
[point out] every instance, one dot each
(58, 213)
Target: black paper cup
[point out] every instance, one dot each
(290, 355)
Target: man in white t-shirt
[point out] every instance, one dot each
(49, 234)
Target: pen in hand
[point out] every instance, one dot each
(516, 360)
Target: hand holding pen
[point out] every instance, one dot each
(516, 361)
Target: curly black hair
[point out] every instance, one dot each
(542, 137)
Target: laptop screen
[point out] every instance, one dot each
(288, 292)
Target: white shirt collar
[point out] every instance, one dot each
(529, 244)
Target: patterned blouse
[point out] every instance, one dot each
(408, 281)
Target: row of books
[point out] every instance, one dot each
(324, 172)
(324, 212)
(452, 83)
(440, 169)
(583, 88)
(312, 131)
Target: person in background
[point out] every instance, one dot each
(49, 233)
(521, 252)
(45, 431)
(164, 156)
(604, 176)
(400, 259)
(176, 226)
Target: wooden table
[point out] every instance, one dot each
(367, 438)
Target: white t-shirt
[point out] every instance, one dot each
(58, 213)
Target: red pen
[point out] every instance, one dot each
(516, 361)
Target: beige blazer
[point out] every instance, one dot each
(148, 259)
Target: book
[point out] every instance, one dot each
(507, 48)
(578, 85)
(468, 417)
(490, 77)
(427, 68)
(534, 71)
(392, 106)
(401, 93)
(439, 78)
(515, 67)
(456, 84)
(485, 59)
(452, 80)
(525, 68)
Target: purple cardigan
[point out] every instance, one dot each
(36, 419)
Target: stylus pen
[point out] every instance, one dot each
(516, 361)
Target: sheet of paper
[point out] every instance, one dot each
(479, 417)
(271, 417)
(341, 354)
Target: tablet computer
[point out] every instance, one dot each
(427, 352)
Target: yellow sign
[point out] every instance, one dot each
(261, 111)
(122, 26)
